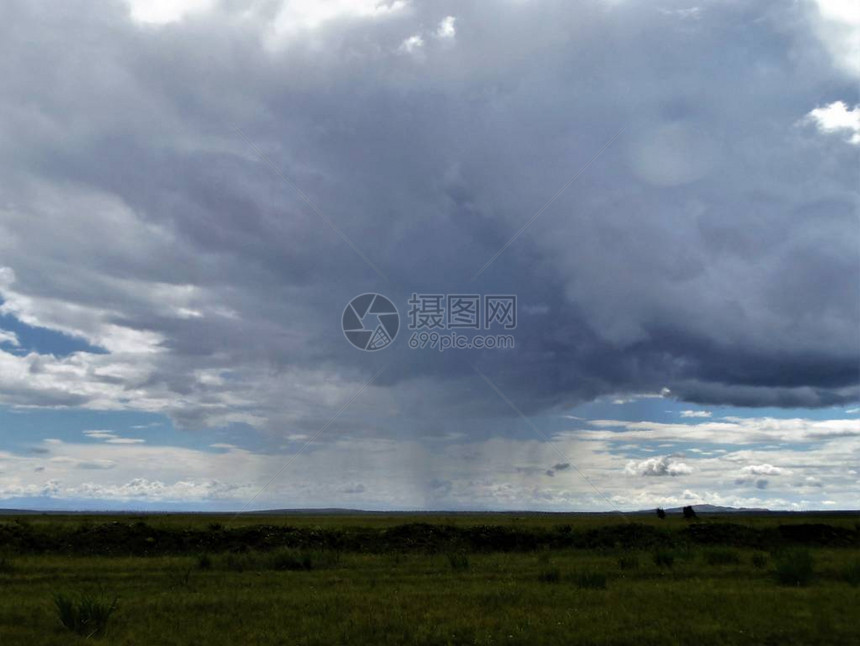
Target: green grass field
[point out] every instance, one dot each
(673, 591)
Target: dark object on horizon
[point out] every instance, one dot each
(661, 514)
(689, 513)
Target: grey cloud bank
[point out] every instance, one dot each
(711, 250)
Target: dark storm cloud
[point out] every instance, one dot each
(710, 250)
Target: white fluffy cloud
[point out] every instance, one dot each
(412, 45)
(695, 413)
(166, 11)
(761, 470)
(666, 465)
(729, 430)
(7, 336)
(839, 30)
(837, 117)
(446, 28)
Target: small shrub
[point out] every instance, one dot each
(795, 567)
(239, 562)
(721, 557)
(321, 559)
(590, 580)
(664, 558)
(215, 527)
(628, 562)
(282, 559)
(204, 562)
(851, 574)
(661, 513)
(290, 560)
(87, 615)
(689, 513)
(759, 561)
(550, 575)
(458, 561)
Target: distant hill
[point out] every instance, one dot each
(324, 511)
(700, 509)
(717, 509)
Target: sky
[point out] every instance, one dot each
(192, 192)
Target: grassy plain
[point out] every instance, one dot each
(482, 582)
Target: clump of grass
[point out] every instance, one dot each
(590, 580)
(664, 558)
(759, 561)
(499, 598)
(458, 561)
(87, 614)
(550, 575)
(289, 560)
(722, 557)
(795, 567)
(238, 562)
(851, 574)
(180, 577)
(6, 565)
(628, 562)
(204, 562)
